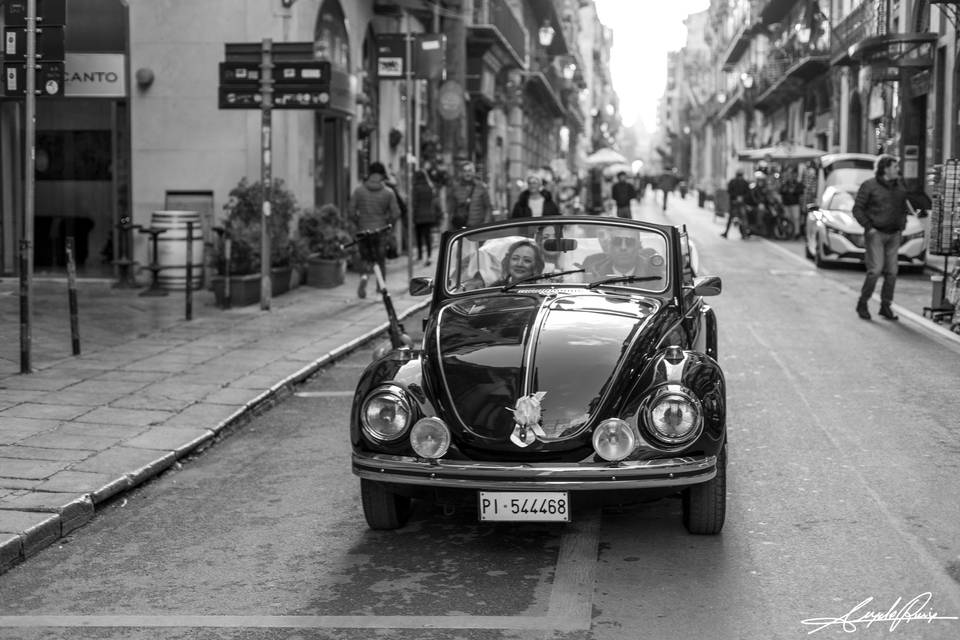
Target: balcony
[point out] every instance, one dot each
(859, 24)
(787, 71)
(495, 27)
(737, 46)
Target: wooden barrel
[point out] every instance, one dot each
(172, 249)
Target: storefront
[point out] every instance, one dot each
(82, 164)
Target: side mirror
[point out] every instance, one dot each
(707, 286)
(421, 286)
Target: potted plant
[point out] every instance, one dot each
(242, 226)
(324, 234)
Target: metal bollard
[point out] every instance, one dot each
(189, 285)
(72, 297)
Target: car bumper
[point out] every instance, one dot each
(629, 474)
(841, 249)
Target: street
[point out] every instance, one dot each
(844, 472)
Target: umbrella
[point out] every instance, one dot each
(780, 152)
(603, 157)
(613, 169)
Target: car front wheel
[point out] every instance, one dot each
(382, 508)
(705, 505)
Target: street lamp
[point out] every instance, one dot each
(546, 33)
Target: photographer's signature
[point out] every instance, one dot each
(915, 610)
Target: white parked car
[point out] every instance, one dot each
(832, 234)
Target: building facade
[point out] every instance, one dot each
(139, 128)
(871, 76)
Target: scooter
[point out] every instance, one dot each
(367, 242)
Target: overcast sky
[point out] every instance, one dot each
(643, 32)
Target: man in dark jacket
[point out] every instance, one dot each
(623, 192)
(739, 191)
(881, 209)
(534, 201)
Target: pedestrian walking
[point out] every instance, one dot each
(468, 200)
(881, 209)
(534, 201)
(372, 206)
(667, 183)
(791, 191)
(426, 213)
(623, 193)
(739, 191)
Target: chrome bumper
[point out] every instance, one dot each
(629, 474)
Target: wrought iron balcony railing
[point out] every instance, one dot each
(863, 22)
(499, 15)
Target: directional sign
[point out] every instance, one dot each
(49, 13)
(283, 98)
(49, 43)
(314, 74)
(49, 79)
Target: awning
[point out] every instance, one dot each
(890, 49)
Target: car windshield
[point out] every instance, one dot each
(848, 171)
(546, 252)
(841, 201)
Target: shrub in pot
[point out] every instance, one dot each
(323, 234)
(242, 225)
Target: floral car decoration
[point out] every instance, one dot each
(566, 362)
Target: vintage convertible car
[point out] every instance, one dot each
(588, 376)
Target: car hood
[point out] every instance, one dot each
(491, 350)
(844, 221)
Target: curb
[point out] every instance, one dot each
(16, 547)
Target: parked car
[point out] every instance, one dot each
(580, 383)
(833, 235)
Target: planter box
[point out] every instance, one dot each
(325, 273)
(245, 290)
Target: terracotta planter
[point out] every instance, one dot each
(245, 290)
(324, 273)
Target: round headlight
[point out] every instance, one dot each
(430, 438)
(614, 440)
(674, 417)
(385, 414)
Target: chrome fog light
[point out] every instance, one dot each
(614, 440)
(674, 416)
(386, 414)
(430, 438)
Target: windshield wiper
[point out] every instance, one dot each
(598, 283)
(539, 276)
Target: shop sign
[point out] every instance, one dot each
(450, 102)
(95, 75)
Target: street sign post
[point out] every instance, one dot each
(267, 76)
(48, 81)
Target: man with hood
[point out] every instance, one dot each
(373, 206)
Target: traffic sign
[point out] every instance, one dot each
(49, 13)
(49, 43)
(282, 98)
(315, 74)
(49, 79)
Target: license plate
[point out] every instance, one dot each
(525, 506)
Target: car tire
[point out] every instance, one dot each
(383, 509)
(705, 505)
(783, 229)
(806, 248)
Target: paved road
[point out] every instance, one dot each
(842, 488)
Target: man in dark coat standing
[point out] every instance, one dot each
(534, 201)
(623, 192)
(881, 209)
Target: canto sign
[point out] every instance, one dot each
(95, 75)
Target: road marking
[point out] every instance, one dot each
(570, 607)
(323, 394)
(510, 623)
